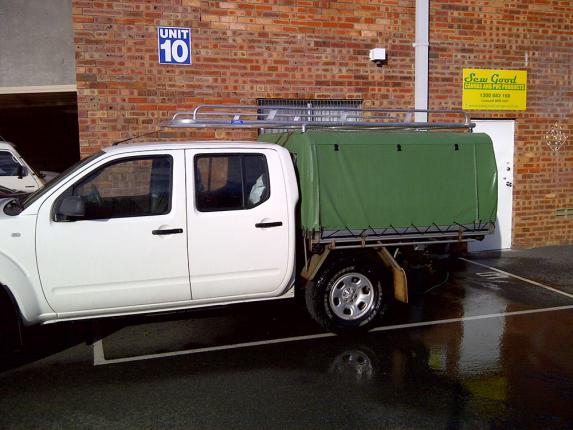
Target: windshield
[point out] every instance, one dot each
(8, 164)
(60, 178)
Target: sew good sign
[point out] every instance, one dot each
(174, 45)
(488, 89)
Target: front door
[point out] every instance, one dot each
(502, 134)
(238, 224)
(130, 247)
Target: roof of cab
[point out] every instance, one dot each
(206, 144)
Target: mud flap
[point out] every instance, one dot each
(398, 275)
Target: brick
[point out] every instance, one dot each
(243, 50)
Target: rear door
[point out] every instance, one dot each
(130, 248)
(238, 223)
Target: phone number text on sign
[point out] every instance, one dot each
(174, 45)
(489, 89)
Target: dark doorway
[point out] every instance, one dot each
(44, 128)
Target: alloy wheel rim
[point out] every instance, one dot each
(352, 296)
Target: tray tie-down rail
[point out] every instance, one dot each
(285, 117)
(398, 236)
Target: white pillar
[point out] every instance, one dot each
(421, 46)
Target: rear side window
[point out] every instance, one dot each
(129, 187)
(8, 164)
(226, 182)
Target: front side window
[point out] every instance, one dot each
(127, 188)
(8, 164)
(226, 182)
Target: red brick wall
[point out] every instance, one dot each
(244, 50)
(536, 36)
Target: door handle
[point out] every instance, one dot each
(166, 232)
(268, 224)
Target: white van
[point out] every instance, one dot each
(15, 173)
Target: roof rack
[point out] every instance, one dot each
(285, 117)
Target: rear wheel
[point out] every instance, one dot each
(347, 295)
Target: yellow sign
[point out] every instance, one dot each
(487, 89)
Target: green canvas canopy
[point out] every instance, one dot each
(388, 179)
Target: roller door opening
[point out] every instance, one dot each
(44, 128)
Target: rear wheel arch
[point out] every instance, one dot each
(337, 256)
(334, 298)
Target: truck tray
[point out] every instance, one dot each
(393, 186)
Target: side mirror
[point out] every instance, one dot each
(22, 171)
(71, 207)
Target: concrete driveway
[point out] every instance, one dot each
(487, 345)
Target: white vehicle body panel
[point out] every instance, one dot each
(18, 268)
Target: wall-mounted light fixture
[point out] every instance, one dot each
(378, 56)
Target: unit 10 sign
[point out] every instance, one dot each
(174, 45)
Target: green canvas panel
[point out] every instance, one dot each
(487, 180)
(360, 180)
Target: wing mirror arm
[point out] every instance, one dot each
(22, 171)
(71, 208)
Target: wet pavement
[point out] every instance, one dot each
(476, 349)
(552, 265)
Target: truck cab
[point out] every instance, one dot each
(143, 228)
(15, 173)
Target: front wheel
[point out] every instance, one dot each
(346, 296)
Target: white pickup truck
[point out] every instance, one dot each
(140, 228)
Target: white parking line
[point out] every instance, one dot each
(537, 284)
(99, 356)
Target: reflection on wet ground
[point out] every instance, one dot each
(512, 371)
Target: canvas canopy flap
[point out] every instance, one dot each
(377, 180)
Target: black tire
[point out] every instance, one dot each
(9, 324)
(11, 334)
(321, 300)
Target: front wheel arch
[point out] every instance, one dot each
(8, 301)
(28, 297)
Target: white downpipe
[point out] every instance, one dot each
(421, 46)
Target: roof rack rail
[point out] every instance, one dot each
(285, 117)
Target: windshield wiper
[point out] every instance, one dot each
(7, 190)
